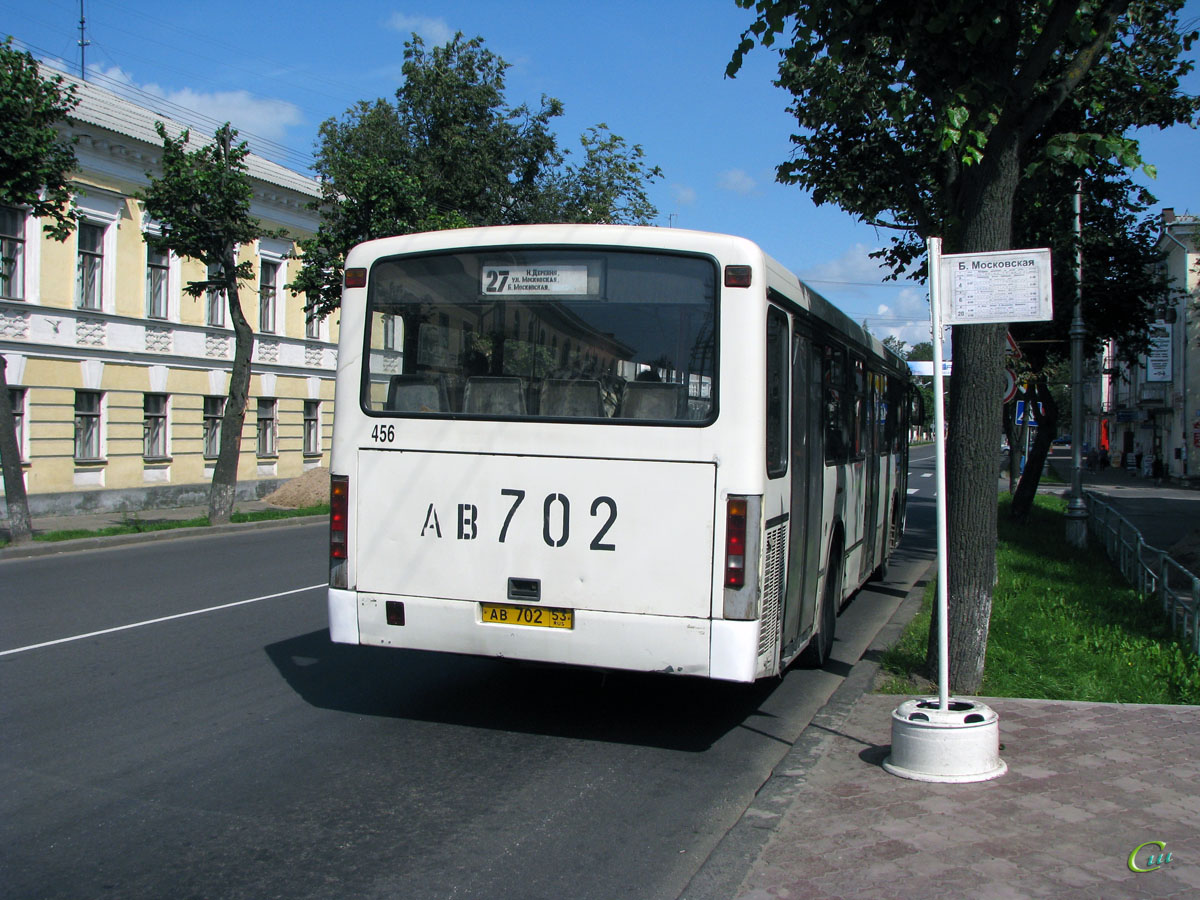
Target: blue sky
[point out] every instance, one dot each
(653, 72)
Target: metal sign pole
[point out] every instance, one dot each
(934, 246)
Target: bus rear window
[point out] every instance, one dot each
(603, 336)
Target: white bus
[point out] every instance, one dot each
(620, 447)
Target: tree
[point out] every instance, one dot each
(202, 201)
(1123, 284)
(450, 152)
(35, 168)
(924, 118)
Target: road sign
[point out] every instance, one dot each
(1003, 286)
(1021, 407)
(1010, 385)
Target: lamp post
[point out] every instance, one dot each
(1077, 513)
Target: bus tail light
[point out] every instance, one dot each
(735, 543)
(742, 542)
(339, 516)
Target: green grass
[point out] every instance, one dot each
(134, 525)
(1064, 626)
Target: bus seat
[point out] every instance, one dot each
(417, 393)
(488, 396)
(570, 399)
(653, 400)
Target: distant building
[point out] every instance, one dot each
(1151, 410)
(117, 377)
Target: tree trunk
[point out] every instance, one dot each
(19, 528)
(985, 208)
(1047, 422)
(224, 483)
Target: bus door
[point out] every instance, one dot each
(807, 466)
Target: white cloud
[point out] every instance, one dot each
(433, 31)
(683, 195)
(854, 267)
(736, 180)
(261, 116)
(905, 317)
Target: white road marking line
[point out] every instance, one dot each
(183, 615)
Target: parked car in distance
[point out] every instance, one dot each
(1063, 439)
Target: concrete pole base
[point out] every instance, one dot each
(957, 745)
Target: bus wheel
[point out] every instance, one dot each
(817, 653)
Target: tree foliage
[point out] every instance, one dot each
(925, 118)
(202, 203)
(36, 162)
(451, 152)
(35, 170)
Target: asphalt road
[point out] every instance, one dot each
(203, 738)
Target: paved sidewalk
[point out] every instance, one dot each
(1087, 784)
(99, 520)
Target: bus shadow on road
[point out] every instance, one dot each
(670, 712)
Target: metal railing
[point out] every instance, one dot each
(1151, 571)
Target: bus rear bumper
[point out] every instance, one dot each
(641, 643)
(343, 616)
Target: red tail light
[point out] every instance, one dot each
(339, 515)
(735, 543)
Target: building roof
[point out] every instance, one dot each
(101, 107)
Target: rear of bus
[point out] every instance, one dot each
(530, 459)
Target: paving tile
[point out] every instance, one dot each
(1087, 783)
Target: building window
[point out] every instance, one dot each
(158, 267)
(87, 425)
(89, 271)
(12, 253)
(312, 326)
(16, 397)
(214, 301)
(214, 408)
(268, 428)
(389, 332)
(312, 427)
(266, 297)
(154, 426)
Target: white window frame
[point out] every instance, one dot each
(172, 283)
(212, 426)
(314, 326)
(267, 443)
(19, 396)
(99, 417)
(268, 306)
(271, 250)
(163, 420)
(102, 210)
(20, 260)
(89, 286)
(312, 428)
(158, 283)
(215, 302)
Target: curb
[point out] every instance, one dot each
(726, 867)
(50, 548)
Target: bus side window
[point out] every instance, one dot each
(777, 392)
(858, 421)
(837, 446)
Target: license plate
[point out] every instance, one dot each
(533, 616)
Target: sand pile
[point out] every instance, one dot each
(309, 489)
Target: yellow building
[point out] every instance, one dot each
(117, 377)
